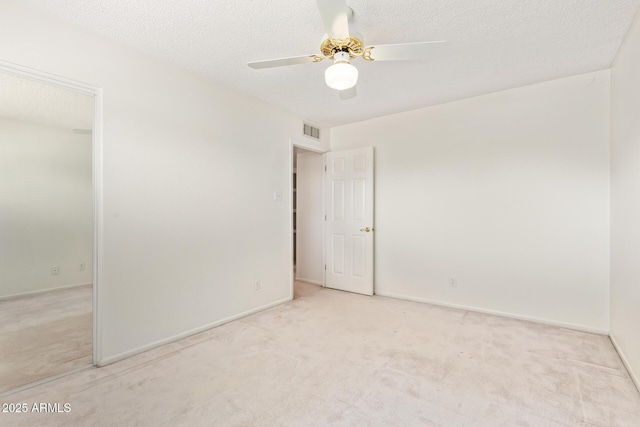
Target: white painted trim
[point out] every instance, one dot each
(307, 146)
(150, 346)
(313, 282)
(42, 291)
(498, 313)
(625, 362)
(290, 213)
(324, 223)
(47, 78)
(98, 226)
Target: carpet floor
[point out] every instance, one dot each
(45, 334)
(335, 358)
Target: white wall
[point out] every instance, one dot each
(625, 200)
(309, 218)
(46, 207)
(507, 193)
(190, 168)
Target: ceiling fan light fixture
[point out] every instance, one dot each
(342, 44)
(341, 75)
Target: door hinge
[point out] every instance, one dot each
(325, 217)
(325, 266)
(325, 168)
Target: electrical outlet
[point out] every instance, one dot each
(55, 270)
(82, 266)
(257, 285)
(453, 282)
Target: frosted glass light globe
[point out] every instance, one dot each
(341, 75)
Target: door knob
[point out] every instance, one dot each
(366, 229)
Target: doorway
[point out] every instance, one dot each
(332, 220)
(48, 230)
(307, 221)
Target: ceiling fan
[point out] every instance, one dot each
(342, 46)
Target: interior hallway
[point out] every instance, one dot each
(45, 334)
(335, 358)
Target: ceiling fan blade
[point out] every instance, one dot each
(348, 93)
(334, 17)
(281, 62)
(407, 51)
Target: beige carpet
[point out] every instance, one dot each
(44, 334)
(334, 358)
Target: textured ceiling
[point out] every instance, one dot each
(31, 102)
(493, 45)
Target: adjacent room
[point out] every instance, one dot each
(47, 231)
(319, 213)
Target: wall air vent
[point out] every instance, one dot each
(311, 131)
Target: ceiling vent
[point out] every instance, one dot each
(311, 131)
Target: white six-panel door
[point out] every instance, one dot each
(349, 220)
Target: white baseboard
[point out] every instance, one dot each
(313, 282)
(112, 359)
(42, 291)
(498, 313)
(625, 362)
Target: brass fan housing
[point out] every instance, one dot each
(353, 46)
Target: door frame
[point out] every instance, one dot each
(97, 144)
(319, 150)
